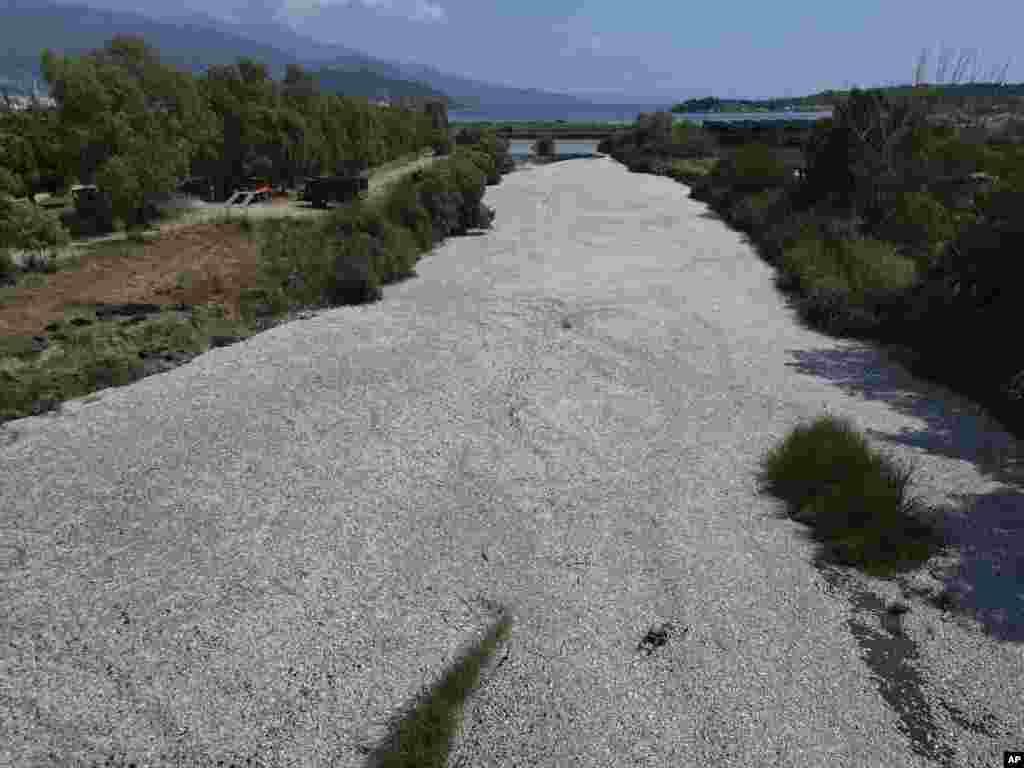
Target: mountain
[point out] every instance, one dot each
(198, 41)
(462, 89)
(29, 27)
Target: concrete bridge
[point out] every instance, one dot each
(566, 134)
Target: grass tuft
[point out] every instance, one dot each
(422, 738)
(853, 498)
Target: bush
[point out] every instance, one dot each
(441, 198)
(642, 162)
(484, 162)
(291, 248)
(12, 184)
(26, 227)
(688, 171)
(920, 224)
(755, 213)
(781, 236)
(690, 141)
(404, 208)
(8, 269)
(489, 142)
(750, 169)
(361, 246)
(854, 498)
(849, 287)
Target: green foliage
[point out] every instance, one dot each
(346, 257)
(25, 227)
(293, 247)
(103, 354)
(755, 213)
(849, 287)
(688, 171)
(404, 208)
(11, 184)
(750, 169)
(142, 125)
(422, 736)
(487, 141)
(484, 161)
(30, 151)
(919, 223)
(870, 151)
(854, 499)
(867, 266)
(8, 269)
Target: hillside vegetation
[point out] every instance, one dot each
(950, 94)
(886, 225)
(134, 125)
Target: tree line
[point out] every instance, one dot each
(135, 126)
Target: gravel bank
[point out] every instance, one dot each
(269, 551)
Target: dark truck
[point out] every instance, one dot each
(342, 189)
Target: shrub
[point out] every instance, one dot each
(29, 228)
(920, 224)
(643, 162)
(360, 246)
(8, 269)
(12, 184)
(293, 247)
(688, 171)
(484, 162)
(875, 268)
(781, 236)
(690, 141)
(353, 276)
(489, 142)
(750, 169)
(441, 197)
(854, 498)
(755, 213)
(404, 208)
(848, 286)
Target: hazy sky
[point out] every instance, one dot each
(652, 49)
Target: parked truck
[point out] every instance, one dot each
(320, 190)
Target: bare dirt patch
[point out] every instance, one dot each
(209, 263)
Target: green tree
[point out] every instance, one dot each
(127, 118)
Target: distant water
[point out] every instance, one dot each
(522, 148)
(624, 114)
(597, 113)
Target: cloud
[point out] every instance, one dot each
(579, 41)
(418, 10)
(426, 11)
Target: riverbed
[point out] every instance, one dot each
(275, 548)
